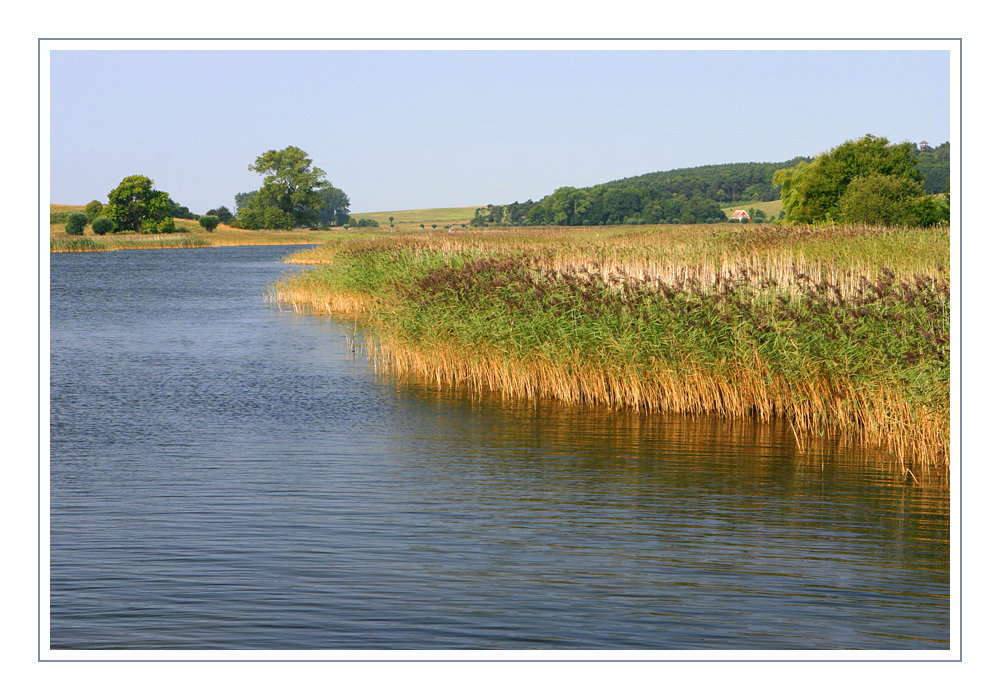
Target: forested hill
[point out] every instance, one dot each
(682, 195)
(732, 182)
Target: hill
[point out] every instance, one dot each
(412, 218)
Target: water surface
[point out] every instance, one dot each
(228, 475)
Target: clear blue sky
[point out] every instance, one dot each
(421, 129)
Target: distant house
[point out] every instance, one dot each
(923, 145)
(739, 214)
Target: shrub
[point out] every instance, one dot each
(93, 210)
(164, 225)
(102, 225)
(75, 223)
(259, 214)
(889, 200)
(208, 222)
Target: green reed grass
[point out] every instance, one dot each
(838, 330)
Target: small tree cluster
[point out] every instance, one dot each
(861, 181)
(223, 213)
(135, 206)
(75, 223)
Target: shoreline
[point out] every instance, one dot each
(135, 241)
(838, 330)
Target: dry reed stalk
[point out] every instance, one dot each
(305, 300)
(813, 406)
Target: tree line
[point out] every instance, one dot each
(865, 179)
(294, 194)
(695, 195)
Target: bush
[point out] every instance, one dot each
(208, 222)
(102, 225)
(75, 223)
(164, 225)
(93, 210)
(258, 214)
(888, 200)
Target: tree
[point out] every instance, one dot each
(75, 223)
(93, 210)
(242, 199)
(135, 206)
(102, 225)
(889, 200)
(208, 222)
(258, 214)
(176, 210)
(223, 213)
(336, 207)
(811, 192)
(289, 195)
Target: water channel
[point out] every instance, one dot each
(229, 475)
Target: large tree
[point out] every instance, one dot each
(289, 196)
(811, 192)
(336, 207)
(135, 206)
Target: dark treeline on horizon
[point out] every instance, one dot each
(679, 196)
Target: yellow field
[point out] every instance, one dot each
(412, 218)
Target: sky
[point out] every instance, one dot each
(422, 128)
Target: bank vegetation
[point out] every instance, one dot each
(841, 331)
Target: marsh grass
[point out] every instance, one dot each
(839, 331)
(83, 244)
(195, 238)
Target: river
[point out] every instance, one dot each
(228, 475)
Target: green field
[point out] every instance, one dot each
(769, 208)
(412, 218)
(456, 216)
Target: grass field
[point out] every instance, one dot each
(412, 218)
(191, 234)
(769, 208)
(839, 331)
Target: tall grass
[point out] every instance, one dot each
(838, 330)
(202, 239)
(78, 244)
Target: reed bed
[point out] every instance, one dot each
(222, 236)
(840, 331)
(88, 244)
